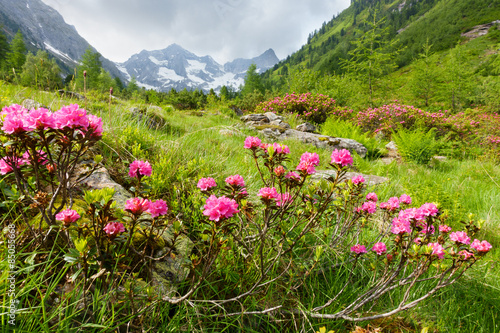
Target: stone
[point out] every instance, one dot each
(70, 94)
(100, 179)
(236, 110)
(30, 104)
(151, 117)
(325, 142)
(370, 180)
(392, 149)
(306, 127)
(256, 117)
(280, 123)
(272, 116)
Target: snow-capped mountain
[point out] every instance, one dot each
(44, 28)
(175, 67)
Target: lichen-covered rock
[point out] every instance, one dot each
(99, 179)
(256, 117)
(306, 127)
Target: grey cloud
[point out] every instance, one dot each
(224, 29)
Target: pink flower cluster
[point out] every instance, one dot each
(137, 206)
(268, 193)
(67, 216)
(17, 119)
(138, 169)
(358, 180)
(481, 246)
(157, 208)
(379, 248)
(369, 206)
(235, 180)
(358, 249)
(391, 205)
(460, 237)
(308, 162)
(341, 157)
(220, 208)
(112, 229)
(372, 196)
(205, 184)
(437, 250)
(252, 142)
(283, 199)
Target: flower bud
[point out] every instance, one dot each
(84, 73)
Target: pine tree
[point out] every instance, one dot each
(424, 79)
(17, 54)
(91, 64)
(41, 72)
(253, 81)
(4, 48)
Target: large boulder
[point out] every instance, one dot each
(306, 127)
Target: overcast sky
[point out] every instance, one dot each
(223, 29)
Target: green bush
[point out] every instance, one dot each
(341, 128)
(417, 145)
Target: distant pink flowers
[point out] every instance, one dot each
(308, 162)
(252, 142)
(479, 246)
(391, 205)
(379, 248)
(444, 229)
(283, 199)
(341, 157)
(67, 216)
(405, 199)
(358, 180)
(372, 196)
(220, 208)
(460, 237)
(139, 169)
(358, 249)
(400, 226)
(268, 193)
(112, 229)
(369, 206)
(429, 209)
(158, 208)
(235, 180)
(206, 184)
(137, 206)
(437, 250)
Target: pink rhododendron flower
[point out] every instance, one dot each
(483, 246)
(379, 248)
(437, 250)
(279, 171)
(427, 230)
(67, 216)
(283, 199)
(418, 240)
(139, 169)
(40, 119)
(466, 254)
(369, 207)
(292, 175)
(42, 157)
(400, 226)
(157, 208)
(268, 193)
(281, 149)
(429, 209)
(235, 180)
(341, 157)
(137, 206)
(308, 162)
(206, 184)
(412, 214)
(71, 116)
(252, 142)
(405, 199)
(7, 162)
(392, 204)
(372, 197)
(358, 249)
(219, 208)
(113, 229)
(460, 237)
(358, 180)
(14, 108)
(444, 229)
(95, 123)
(14, 123)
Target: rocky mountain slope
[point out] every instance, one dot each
(175, 67)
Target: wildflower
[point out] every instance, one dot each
(379, 248)
(308, 162)
(252, 142)
(483, 246)
(283, 199)
(71, 116)
(113, 229)
(235, 180)
(372, 197)
(95, 123)
(137, 206)
(40, 119)
(460, 237)
(67, 216)
(358, 180)
(466, 254)
(14, 123)
(405, 199)
(444, 229)
(206, 184)
(429, 209)
(157, 208)
(341, 157)
(219, 208)
(400, 226)
(138, 169)
(437, 250)
(369, 207)
(358, 249)
(391, 204)
(268, 193)
(292, 175)
(279, 171)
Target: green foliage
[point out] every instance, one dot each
(41, 72)
(17, 55)
(91, 65)
(417, 145)
(4, 48)
(345, 129)
(424, 80)
(253, 81)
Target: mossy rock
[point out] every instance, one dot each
(272, 127)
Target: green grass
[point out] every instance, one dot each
(190, 147)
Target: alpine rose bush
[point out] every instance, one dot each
(220, 208)
(139, 169)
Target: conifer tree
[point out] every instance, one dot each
(17, 54)
(4, 48)
(40, 71)
(424, 80)
(253, 81)
(91, 64)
